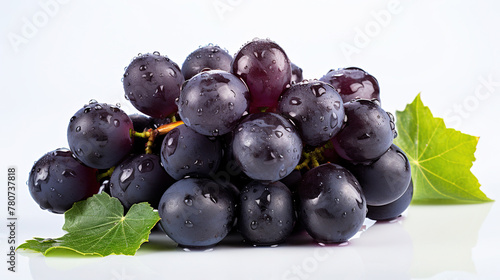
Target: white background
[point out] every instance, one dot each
(57, 55)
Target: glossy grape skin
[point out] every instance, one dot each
(391, 210)
(297, 75)
(331, 204)
(139, 178)
(266, 214)
(99, 135)
(266, 146)
(184, 152)
(58, 180)
(367, 134)
(315, 108)
(265, 68)
(352, 83)
(206, 57)
(197, 212)
(213, 102)
(151, 83)
(386, 179)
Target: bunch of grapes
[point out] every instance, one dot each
(235, 143)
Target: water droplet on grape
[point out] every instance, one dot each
(188, 224)
(171, 72)
(295, 101)
(146, 165)
(254, 225)
(188, 200)
(336, 105)
(69, 173)
(364, 136)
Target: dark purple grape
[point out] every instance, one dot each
(352, 83)
(197, 212)
(265, 68)
(297, 76)
(151, 83)
(206, 57)
(266, 146)
(391, 210)
(58, 179)
(99, 135)
(331, 204)
(315, 108)
(384, 180)
(367, 134)
(213, 102)
(139, 178)
(266, 213)
(185, 152)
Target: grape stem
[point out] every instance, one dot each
(105, 174)
(151, 134)
(312, 159)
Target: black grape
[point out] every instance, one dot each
(212, 102)
(58, 180)
(391, 210)
(315, 108)
(265, 68)
(266, 146)
(352, 83)
(197, 212)
(367, 134)
(386, 179)
(139, 178)
(331, 204)
(151, 83)
(266, 214)
(185, 152)
(99, 135)
(206, 57)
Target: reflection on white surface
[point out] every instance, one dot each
(428, 242)
(444, 237)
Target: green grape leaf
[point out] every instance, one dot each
(97, 226)
(440, 157)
